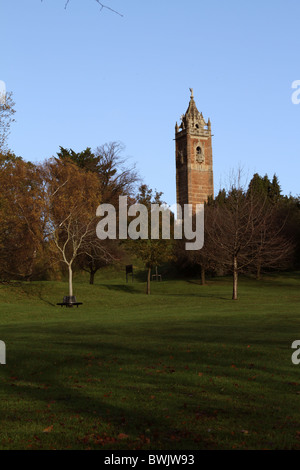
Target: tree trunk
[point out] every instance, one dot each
(202, 276)
(235, 279)
(258, 271)
(148, 281)
(70, 281)
(92, 277)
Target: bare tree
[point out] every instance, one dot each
(201, 259)
(97, 254)
(102, 6)
(153, 252)
(243, 231)
(72, 199)
(7, 112)
(273, 248)
(117, 177)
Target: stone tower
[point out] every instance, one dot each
(194, 166)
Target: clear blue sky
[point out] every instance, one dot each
(82, 77)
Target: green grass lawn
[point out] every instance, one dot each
(185, 368)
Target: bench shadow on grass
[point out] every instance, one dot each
(46, 301)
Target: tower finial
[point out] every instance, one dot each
(192, 92)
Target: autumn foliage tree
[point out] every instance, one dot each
(116, 177)
(22, 217)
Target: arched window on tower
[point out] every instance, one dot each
(199, 155)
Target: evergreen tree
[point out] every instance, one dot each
(275, 190)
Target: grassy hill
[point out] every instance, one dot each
(184, 368)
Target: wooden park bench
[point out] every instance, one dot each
(69, 301)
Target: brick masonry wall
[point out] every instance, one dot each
(194, 180)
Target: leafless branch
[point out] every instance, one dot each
(102, 6)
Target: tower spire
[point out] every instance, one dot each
(194, 162)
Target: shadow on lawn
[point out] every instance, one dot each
(128, 289)
(47, 301)
(50, 384)
(80, 370)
